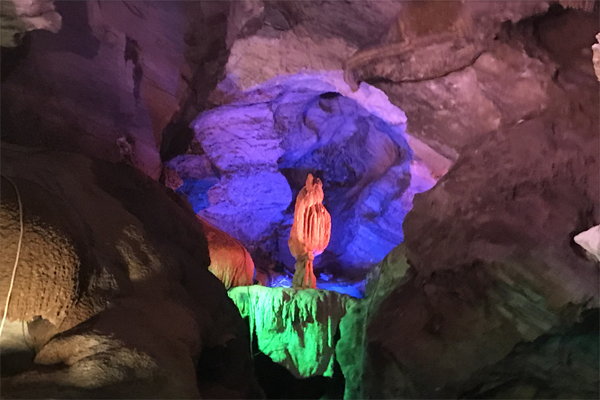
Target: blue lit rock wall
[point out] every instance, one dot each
(263, 145)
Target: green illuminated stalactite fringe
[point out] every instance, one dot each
(296, 329)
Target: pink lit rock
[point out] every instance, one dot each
(596, 56)
(590, 241)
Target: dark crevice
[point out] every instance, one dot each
(75, 35)
(132, 53)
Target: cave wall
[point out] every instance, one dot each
(488, 276)
(112, 79)
(117, 297)
(264, 146)
(492, 260)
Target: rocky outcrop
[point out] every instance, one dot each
(353, 350)
(116, 81)
(431, 39)
(266, 142)
(128, 305)
(492, 257)
(457, 82)
(561, 365)
(229, 260)
(596, 56)
(471, 102)
(297, 329)
(21, 16)
(308, 36)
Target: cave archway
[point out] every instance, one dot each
(251, 156)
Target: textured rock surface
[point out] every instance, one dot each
(351, 350)
(431, 39)
(280, 38)
(135, 308)
(248, 206)
(596, 56)
(492, 257)
(112, 79)
(297, 127)
(561, 365)
(590, 241)
(295, 328)
(502, 85)
(48, 258)
(229, 260)
(474, 101)
(20, 16)
(299, 53)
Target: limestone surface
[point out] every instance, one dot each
(266, 142)
(294, 328)
(118, 272)
(229, 260)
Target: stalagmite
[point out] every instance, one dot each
(310, 232)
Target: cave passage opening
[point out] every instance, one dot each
(251, 156)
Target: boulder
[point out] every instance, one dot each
(113, 282)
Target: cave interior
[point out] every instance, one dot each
(300, 199)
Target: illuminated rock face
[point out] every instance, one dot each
(229, 260)
(262, 146)
(21, 16)
(107, 251)
(111, 83)
(310, 232)
(590, 241)
(296, 329)
(596, 56)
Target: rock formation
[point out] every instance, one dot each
(263, 144)
(297, 329)
(21, 16)
(596, 56)
(117, 74)
(492, 261)
(467, 131)
(534, 365)
(310, 232)
(117, 295)
(229, 260)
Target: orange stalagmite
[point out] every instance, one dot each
(310, 233)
